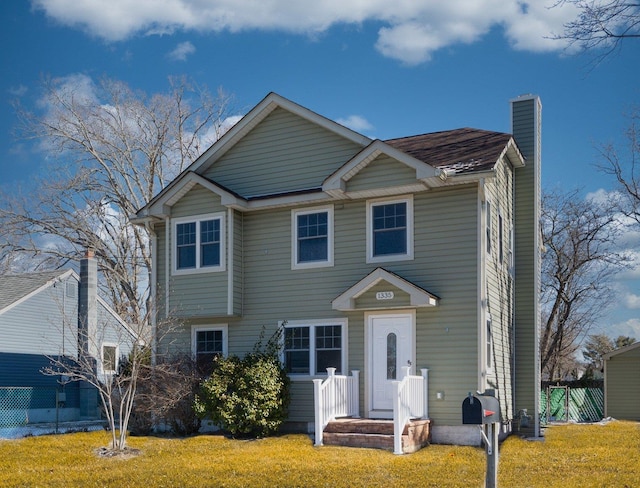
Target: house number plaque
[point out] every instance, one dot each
(384, 295)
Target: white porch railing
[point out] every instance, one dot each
(337, 396)
(410, 401)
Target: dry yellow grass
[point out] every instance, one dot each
(585, 456)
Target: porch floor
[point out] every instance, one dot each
(376, 433)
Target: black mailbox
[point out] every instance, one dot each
(480, 409)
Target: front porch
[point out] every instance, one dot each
(337, 420)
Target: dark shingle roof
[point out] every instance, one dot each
(464, 150)
(14, 287)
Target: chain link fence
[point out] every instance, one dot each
(35, 410)
(565, 404)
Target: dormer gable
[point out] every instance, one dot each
(382, 289)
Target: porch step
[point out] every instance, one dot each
(378, 434)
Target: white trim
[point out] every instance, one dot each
(230, 244)
(312, 324)
(174, 248)
(408, 256)
(167, 265)
(204, 328)
(117, 358)
(294, 237)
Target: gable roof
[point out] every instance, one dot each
(14, 289)
(257, 115)
(622, 350)
(419, 297)
(465, 153)
(461, 150)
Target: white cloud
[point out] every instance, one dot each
(356, 122)
(628, 328)
(412, 30)
(632, 301)
(181, 51)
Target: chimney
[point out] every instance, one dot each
(87, 303)
(526, 116)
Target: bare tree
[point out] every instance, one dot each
(623, 163)
(601, 24)
(111, 150)
(580, 258)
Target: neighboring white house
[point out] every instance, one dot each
(43, 316)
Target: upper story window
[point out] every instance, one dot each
(390, 230)
(312, 232)
(312, 347)
(198, 243)
(207, 343)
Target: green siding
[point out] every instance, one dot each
(445, 223)
(199, 294)
(381, 173)
(622, 387)
(261, 163)
(499, 289)
(527, 189)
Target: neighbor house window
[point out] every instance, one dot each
(488, 225)
(312, 232)
(489, 344)
(500, 239)
(199, 243)
(390, 230)
(109, 358)
(207, 343)
(311, 348)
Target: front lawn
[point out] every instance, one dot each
(572, 455)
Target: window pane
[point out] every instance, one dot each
(313, 237)
(296, 343)
(186, 245)
(391, 356)
(209, 344)
(328, 348)
(108, 358)
(210, 243)
(390, 229)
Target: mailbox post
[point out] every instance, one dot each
(484, 410)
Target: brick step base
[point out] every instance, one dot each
(376, 434)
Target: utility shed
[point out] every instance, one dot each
(622, 383)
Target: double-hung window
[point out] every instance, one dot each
(390, 230)
(198, 243)
(312, 231)
(207, 343)
(312, 347)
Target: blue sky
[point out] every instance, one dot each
(388, 69)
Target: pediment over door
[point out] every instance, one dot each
(383, 290)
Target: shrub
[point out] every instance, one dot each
(166, 393)
(248, 396)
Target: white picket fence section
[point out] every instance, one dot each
(409, 402)
(337, 396)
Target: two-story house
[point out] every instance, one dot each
(420, 251)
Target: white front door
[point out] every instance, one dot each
(391, 348)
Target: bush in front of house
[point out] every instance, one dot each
(246, 397)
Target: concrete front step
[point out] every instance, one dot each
(377, 434)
